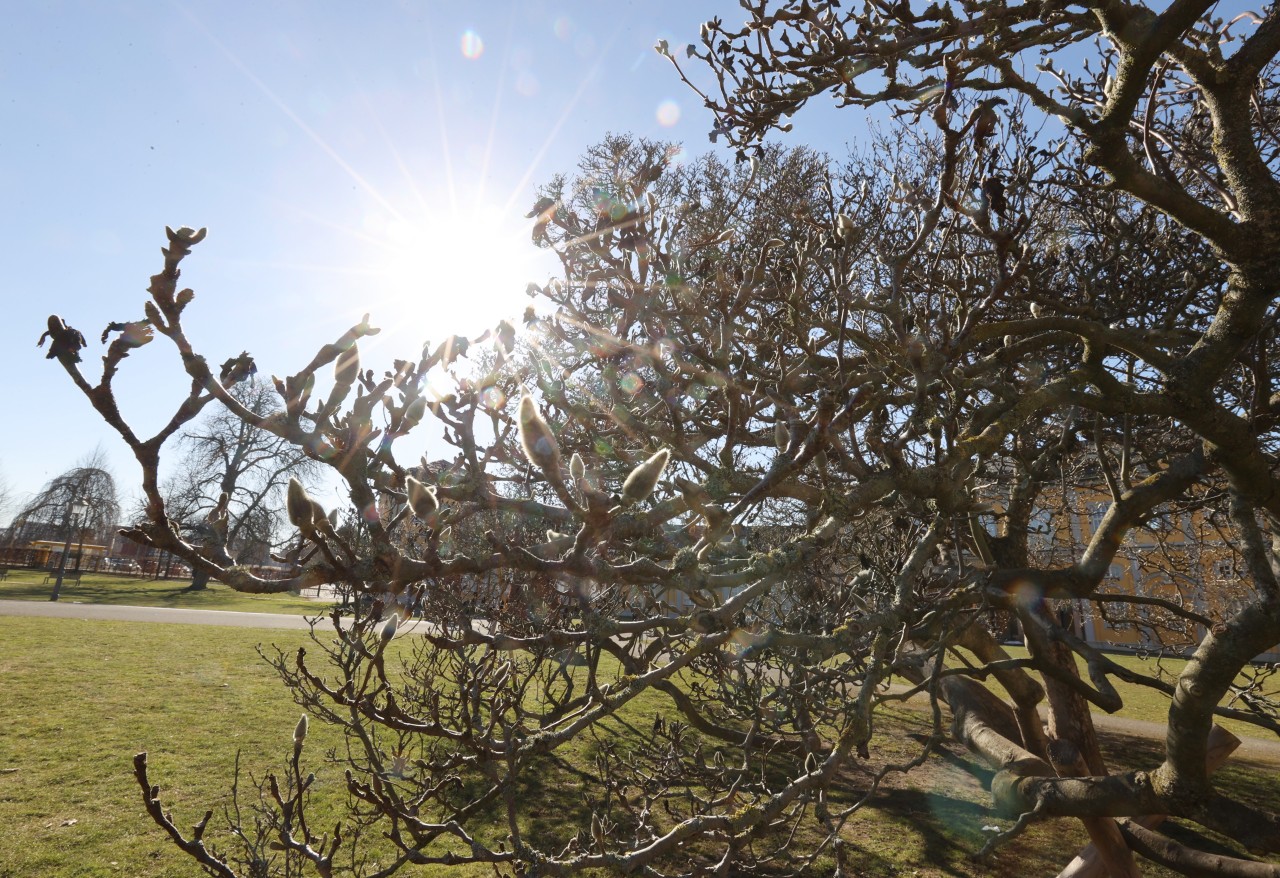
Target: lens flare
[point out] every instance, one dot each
(493, 397)
(1027, 593)
(668, 113)
(472, 45)
(631, 384)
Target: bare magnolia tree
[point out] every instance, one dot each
(791, 429)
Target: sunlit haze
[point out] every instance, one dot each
(346, 158)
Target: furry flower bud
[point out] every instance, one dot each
(536, 438)
(644, 478)
(389, 629)
(413, 413)
(577, 468)
(319, 517)
(299, 506)
(422, 499)
(845, 229)
(300, 731)
(781, 435)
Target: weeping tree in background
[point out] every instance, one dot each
(48, 516)
(6, 494)
(787, 429)
(228, 491)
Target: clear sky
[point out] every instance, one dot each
(346, 157)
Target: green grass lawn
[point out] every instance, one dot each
(80, 698)
(1148, 704)
(106, 588)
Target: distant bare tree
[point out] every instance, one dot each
(47, 516)
(229, 487)
(6, 494)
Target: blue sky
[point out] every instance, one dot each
(347, 158)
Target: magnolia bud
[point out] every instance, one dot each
(187, 235)
(347, 366)
(781, 435)
(389, 629)
(422, 499)
(577, 468)
(644, 478)
(414, 411)
(300, 731)
(298, 505)
(539, 442)
(845, 228)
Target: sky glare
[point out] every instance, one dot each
(346, 158)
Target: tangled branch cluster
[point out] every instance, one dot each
(793, 429)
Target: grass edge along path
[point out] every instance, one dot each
(26, 584)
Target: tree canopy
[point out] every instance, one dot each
(228, 491)
(48, 514)
(787, 430)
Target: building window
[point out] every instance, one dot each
(1096, 512)
(1040, 528)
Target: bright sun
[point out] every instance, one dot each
(459, 272)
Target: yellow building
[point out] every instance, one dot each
(48, 553)
(1180, 556)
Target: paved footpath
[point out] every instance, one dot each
(1250, 748)
(123, 613)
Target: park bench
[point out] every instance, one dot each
(67, 576)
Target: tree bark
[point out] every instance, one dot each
(199, 580)
(1088, 863)
(1188, 861)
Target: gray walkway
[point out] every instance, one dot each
(1254, 749)
(121, 613)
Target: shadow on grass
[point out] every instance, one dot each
(1254, 783)
(102, 590)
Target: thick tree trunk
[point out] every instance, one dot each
(199, 580)
(1088, 863)
(1021, 686)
